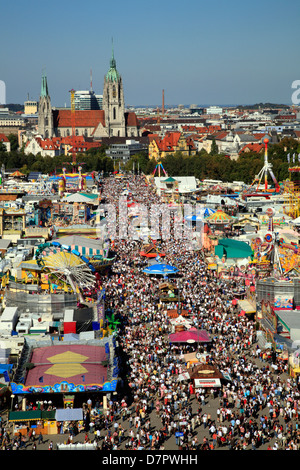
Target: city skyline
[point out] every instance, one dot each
(219, 54)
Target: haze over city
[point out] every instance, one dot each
(198, 52)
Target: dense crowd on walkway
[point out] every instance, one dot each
(257, 407)
(260, 401)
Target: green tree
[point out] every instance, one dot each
(214, 148)
(14, 144)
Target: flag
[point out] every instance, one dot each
(288, 157)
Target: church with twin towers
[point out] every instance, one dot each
(110, 121)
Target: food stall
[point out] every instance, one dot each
(42, 421)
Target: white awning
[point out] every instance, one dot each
(69, 414)
(207, 383)
(246, 306)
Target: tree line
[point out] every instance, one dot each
(215, 165)
(203, 165)
(92, 160)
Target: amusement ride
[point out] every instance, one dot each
(66, 266)
(255, 187)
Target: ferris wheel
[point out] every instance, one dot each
(66, 265)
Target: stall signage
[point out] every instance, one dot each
(207, 383)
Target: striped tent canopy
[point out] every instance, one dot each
(219, 217)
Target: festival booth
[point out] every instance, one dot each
(208, 239)
(193, 335)
(67, 373)
(236, 249)
(41, 421)
(233, 258)
(150, 251)
(65, 416)
(268, 322)
(180, 324)
(205, 376)
(275, 335)
(175, 313)
(72, 182)
(195, 358)
(211, 263)
(168, 292)
(246, 307)
(248, 223)
(219, 220)
(84, 198)
(279, 220)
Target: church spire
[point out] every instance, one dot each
(113, 75)
(45, 117)
(113, 64)
(44, 86)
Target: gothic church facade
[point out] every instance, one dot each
(110, 121)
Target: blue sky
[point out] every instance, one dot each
(199, 52)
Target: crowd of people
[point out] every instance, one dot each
(256, 406)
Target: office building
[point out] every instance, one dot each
(85, 100)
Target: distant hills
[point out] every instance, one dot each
(19, 107)
(263, 106)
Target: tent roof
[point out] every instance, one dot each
(170, 180)
(180, 320)
(219, 217)
(81, 197)
(205, 371)
(58, 363)
(30, 415)
(69, 414)
(160, 269)
(199, 336)
(17, 173)
(79, 240)
(233, 248)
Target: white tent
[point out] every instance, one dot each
(79, 197)
(69, 414)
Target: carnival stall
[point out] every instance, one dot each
(205, 376)
(39, 421)
(193, 335)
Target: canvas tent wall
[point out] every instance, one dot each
(233, 249)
